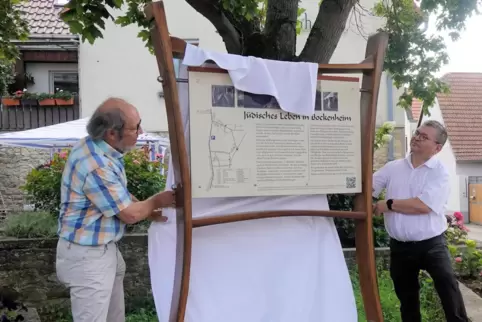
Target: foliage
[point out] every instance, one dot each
(467, 261)
(43, 183)
(30, 225)
(13, 27)
(7, 76)
(430, 306)
(144, 178)
(456, 233)
(414, 55)
(65, 95)
(44, 96)
(11, 310)
(142, 315)
(383, 135)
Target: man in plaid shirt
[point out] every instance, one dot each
(95, 208)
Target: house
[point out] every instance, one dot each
(120, 65)
(49, 59)
(461, 113)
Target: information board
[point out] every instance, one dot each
(243, 144)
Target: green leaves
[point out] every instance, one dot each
(12, 27)
(413, 56)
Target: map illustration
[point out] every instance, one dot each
(224, 143)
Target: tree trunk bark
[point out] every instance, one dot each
(278, 39)
(327, 30)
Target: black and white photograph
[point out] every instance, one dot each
(318, 101)
(250, 100)
(330, 101)
(222, 95)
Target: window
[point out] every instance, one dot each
(177, 66)
(65, 81)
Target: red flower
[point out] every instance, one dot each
(458, 259)
(459, 216)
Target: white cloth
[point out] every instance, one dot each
(428, 182)
(292, 84)
(266, 270)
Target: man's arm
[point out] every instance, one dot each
(134, 199)
(110, 196)
(433, 198)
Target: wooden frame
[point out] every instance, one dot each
(166, 48)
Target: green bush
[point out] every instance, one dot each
(43, 183)
(30, 225)
(430, 306)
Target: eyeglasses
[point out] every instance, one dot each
(137, 129)
(422, 136)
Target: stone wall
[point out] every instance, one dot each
(15, 163)
(28, 266)
(381, 155)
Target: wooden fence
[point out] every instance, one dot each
(29, 115)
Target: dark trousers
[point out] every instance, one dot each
(431, 255)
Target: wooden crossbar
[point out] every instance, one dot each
(166, 48)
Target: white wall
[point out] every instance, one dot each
(41, 74)
(457, 193)
(120, 65)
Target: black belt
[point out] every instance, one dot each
(434, 240)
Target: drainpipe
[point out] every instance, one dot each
(390, 115)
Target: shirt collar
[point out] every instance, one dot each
(431, 163)
(107, 149)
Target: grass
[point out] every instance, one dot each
(30, 225)
(431, 308)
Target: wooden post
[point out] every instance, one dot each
(165, 48)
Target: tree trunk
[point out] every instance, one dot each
(277, 40)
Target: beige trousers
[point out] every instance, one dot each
(95, 277)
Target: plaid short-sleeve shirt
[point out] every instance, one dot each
(93, 192)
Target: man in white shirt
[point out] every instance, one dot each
(417, 191)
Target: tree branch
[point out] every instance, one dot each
(280, 29)
(212, 10)
(327, 30)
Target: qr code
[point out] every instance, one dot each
(351, 182)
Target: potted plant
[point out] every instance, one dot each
(29, 98)
(46, 99)
(64, 98)
(12, 100)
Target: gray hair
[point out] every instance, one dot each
(104, 120)
(441, 131)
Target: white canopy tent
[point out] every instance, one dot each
(65, 135)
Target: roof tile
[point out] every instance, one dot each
(416, 109)
(43, 17)
(462, 113)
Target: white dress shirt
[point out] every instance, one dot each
(428, 182)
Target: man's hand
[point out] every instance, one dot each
(165, 199)
(157, 216)
(380, 207)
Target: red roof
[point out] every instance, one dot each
(462, 114)
(416, 109)
(43, 17)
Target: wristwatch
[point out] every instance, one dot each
(389, 204)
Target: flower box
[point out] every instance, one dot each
(10, 101)
(29, 102)
(63, 102)
(47, 102)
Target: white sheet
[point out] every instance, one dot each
(280, 79)
(267, 270)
